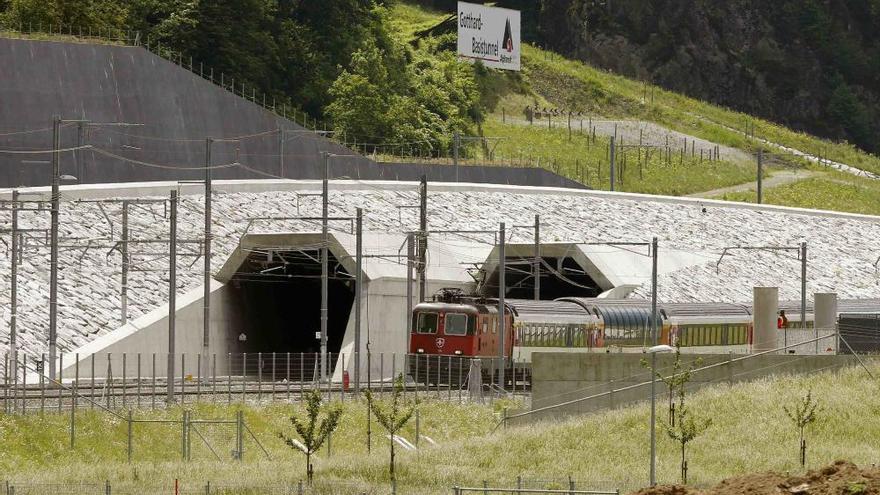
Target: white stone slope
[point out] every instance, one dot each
(841, 258)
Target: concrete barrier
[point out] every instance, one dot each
(619, 379)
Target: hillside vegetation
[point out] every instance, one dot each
(749, 432)
(385, 77)
(809, 64)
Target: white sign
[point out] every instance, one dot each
(490, 35)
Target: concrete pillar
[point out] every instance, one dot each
(766, 309)
(825, 319)
(825, 312)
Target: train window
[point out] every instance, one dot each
(456, 324)
(427, 323)
(485, 327)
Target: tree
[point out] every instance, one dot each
(687, 429)
(392, 419)
(310, 431)
(803, 413)
(676, 381)
(688, 426)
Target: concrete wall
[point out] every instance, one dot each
(148, 335)
(178, 109)
(562, 377)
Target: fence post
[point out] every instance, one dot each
(208, 488)
(730, 368)
(72, 421)
(240, 435)
(124, 365)
(183, 424)
(107, 490)
(299, 488)
(130, 427)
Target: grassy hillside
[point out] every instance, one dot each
(749, 432)
(550, 80)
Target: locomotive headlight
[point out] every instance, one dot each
(420, 350)
(458, 353)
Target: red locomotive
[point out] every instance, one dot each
(457, 325)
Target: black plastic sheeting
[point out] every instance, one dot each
(112, 84)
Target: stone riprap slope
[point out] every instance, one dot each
(89, 302)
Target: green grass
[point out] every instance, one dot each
(750, 432)
(573, 84)
(839, 192)
(551, 80)
(587, 161)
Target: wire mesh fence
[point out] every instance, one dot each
(122, 381)
(176, 487)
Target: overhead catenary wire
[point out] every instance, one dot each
(45, 152)
(161, 166)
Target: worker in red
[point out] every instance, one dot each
(781, 320)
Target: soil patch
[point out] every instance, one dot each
(840, 478)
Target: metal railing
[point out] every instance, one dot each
(320, 487)
(457, 490)
(119, 381)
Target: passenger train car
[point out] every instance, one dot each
(455, 324)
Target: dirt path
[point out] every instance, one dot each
(807, 156)
(636, 132)
(780, 178)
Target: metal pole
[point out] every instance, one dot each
(611, 154)
(324, 262)
(410, 253)
(456, 140)
(653, 476)
(804, 289)
(280, 152)
(422, 267)
(13, 346)
(172, 294)
(125, 264)
(359, 281)
(537, 263)
(80, 169)
(130, 424)
(53, 261)
(502, 328)
(206, 298)
(760, 175)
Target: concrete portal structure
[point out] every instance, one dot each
(282, 318)
(766, 309)
(90, 299)
(267, 290)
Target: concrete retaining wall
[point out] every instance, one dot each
(178, 109)
(563, 377)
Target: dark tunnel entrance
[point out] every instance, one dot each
(560, 277)
(279, 299)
